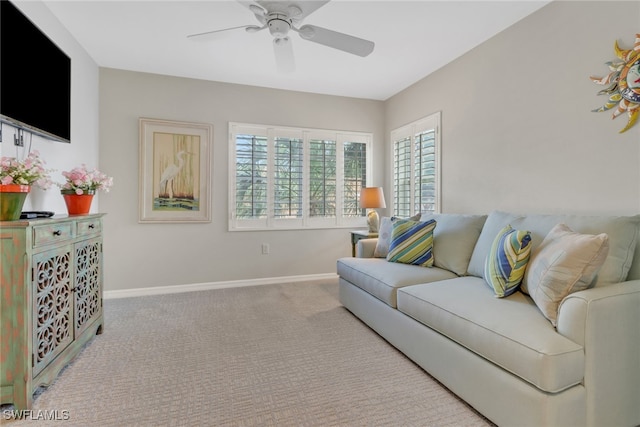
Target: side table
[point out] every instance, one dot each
(359, 235)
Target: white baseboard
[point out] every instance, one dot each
(173, 289)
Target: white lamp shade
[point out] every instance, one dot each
(372, 197)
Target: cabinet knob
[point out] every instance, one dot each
(57, 233)
(92, 226)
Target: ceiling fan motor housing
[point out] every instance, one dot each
(279, 24)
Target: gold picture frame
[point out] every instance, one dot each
(175, 171)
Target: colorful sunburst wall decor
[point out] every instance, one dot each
(624, 84)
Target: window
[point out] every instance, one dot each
(322, 179)
(288, 178)
(416, 164)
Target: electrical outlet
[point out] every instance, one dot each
(265, 249)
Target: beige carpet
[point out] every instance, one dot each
(274, 355)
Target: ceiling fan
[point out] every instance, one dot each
(282, 16)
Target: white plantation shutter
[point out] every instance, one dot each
(402, 177)
(416, 159)
(355, 177)
(289, 178)
(251, 176)
(322, 178)
(424, 182)
(288, 172)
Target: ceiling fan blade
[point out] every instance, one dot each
(336, 40)
(283, 50)
(202, 36)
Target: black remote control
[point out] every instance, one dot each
(36, 214)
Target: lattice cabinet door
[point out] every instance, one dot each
(88, 283)
(52, 305)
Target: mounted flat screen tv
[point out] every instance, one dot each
(35, 78)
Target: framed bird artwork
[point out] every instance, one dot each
(175, 171)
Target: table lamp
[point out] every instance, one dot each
(372, 198)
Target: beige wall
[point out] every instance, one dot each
(517, 130)
(151, 255)
(518, 135)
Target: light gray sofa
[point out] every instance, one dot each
(501, 355)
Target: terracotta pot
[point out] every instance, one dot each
(12, 197)
(78, 204)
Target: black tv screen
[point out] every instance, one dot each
(35, 78)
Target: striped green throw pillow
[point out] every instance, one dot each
(412, 242)
(507, 260)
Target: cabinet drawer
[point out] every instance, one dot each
(51, 233)
(86, 228)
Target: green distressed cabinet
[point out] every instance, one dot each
(51, 274)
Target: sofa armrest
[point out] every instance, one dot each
(366, 247)
(606, 322)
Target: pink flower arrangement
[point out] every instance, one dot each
(30, 171)
(80, 180)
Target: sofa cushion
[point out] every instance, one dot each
(384, 234)
(622, 232)
(565, 262)
(507, 260)
(510, 332)
(454, 239)
(382, 279)
(412, 242)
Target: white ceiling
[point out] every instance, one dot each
(412, 39)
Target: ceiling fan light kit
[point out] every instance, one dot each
(279, 25)
(282, 16)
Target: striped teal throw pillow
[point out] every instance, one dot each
(412, 242)
(507, 260)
